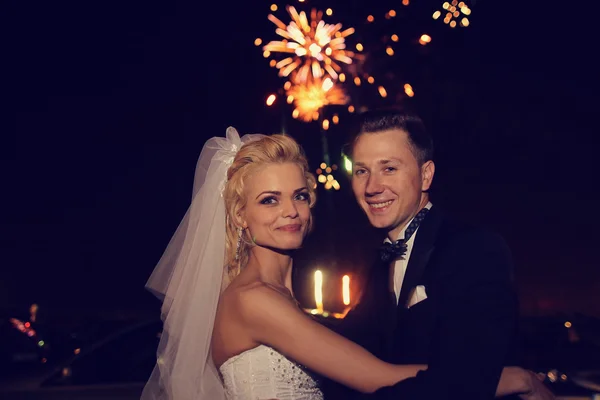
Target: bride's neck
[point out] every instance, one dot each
(271, 267)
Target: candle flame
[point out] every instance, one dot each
(346, 290)
(319, 290)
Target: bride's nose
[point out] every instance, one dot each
(289, 209)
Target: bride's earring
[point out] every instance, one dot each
(239, 243)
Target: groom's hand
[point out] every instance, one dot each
(537, 389)
(523, 383)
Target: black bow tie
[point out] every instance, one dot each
(392, 251)
(389, 252)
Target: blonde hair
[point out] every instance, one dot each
(275, 149)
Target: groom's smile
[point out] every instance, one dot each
(387, 180)
(379, 207)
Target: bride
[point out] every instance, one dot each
(232, 327)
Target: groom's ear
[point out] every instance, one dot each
(427, 172)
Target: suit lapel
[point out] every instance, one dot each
(421, 252)
(377, 290)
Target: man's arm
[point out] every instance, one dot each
(477, 316)
(364, 326)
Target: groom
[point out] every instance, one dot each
(441, 292)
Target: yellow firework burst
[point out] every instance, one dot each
(309, 97)
(315, 49)
(453, 11)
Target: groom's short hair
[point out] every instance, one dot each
(386, 119)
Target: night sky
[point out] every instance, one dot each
(109, 104)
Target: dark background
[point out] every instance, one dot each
(108, 105)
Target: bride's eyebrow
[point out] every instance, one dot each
(278, 193)
(274, 192)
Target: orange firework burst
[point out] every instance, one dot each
(315, 48)
(454, 11)
(311, 96)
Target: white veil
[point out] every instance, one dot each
(189, 279)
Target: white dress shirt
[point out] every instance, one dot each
(401, 264)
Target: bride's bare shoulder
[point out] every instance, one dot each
(235, 289)
(251, 297)
(259, 291)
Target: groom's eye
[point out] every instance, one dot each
(359, 172)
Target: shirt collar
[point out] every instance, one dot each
(401, 235)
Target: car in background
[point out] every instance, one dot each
(566, 348)
(116, 368)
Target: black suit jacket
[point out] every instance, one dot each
(462, 331)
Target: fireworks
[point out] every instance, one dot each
(319, 69)
(315, 49)
(424, 39)
(325, 177)
(311, 96)
(454, 11)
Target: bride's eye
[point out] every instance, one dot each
(304, 196)
(269, 200)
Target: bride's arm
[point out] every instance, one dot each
(273, 320)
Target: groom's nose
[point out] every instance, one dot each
(373, 186)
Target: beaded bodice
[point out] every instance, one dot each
(263, 373)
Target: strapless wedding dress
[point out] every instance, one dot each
(262, 373)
